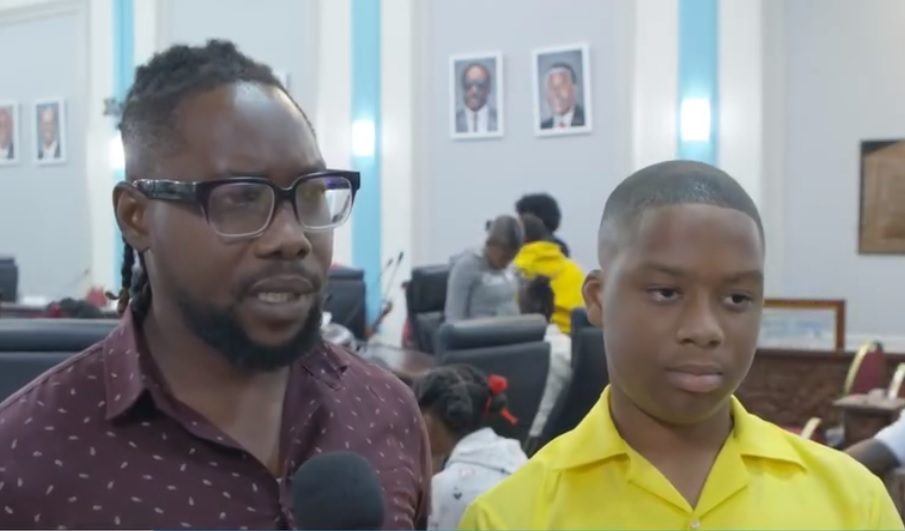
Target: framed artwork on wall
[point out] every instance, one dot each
(9, 133)
(476, 95)
(803, 324)
(881, 225)
(562, 90)
(50, 132)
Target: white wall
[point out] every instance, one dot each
(843, 83)
(44, 220)
(468, 182)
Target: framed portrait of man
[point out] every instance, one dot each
(562, 90)
(476, 95)
(9, 133)
(50, 132)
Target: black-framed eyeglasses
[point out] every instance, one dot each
(244, 207)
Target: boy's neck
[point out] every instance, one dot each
(658, 441)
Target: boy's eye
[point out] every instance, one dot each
(738, 301)
(663, 294)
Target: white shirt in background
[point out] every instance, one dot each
(893, 437)
(478, 121)
(480, 461)
(559, 375)
(564, 120)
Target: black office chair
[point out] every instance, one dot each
(9, 279)
(512, 347)
(345, 299)
(589, 377)
(29, 347)
(425, 297)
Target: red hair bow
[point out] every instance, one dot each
(498, 385)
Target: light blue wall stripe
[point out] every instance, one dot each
(123, 71)
(698, 71)
(366, 106)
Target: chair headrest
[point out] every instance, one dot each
(427, 288)
(491, 332)
(62, 335)
(580, 319)
(339, 272)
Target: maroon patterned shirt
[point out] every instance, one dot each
(98, 442)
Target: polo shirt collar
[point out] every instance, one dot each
(596, 438)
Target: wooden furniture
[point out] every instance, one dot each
(788, 387)
(864, 415)
(406, 364)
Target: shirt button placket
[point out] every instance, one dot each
(694, 524)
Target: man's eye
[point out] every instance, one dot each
(738, 301)
(663, 294)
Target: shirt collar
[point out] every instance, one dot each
(129, 371)
(565, 118)
(596, 438)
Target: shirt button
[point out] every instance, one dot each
(695, 524)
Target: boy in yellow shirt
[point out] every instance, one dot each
(679, 297)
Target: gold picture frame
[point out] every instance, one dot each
(803, 324)
(881, 226)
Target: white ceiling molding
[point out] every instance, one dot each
(15, 11)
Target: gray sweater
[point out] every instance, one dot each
(476, 290)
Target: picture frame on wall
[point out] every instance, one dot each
(881, 224)
(9, 133)
(562, 90)
(50, 131)
(803, 324)
(476, 95)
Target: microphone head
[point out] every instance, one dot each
(337, 490)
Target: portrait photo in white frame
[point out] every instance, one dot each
(476, 95)
(50, 131)
(10, 147)
(562, 90)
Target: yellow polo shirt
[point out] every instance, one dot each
(763, 478)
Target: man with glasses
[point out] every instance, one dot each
(216, 386)
(477, 116)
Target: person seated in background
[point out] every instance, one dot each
(74, 309)
(884, 451)
(469, 457)
(679, 295)
(480, 283)
(540, 256)
(536, 297)
(547, 210)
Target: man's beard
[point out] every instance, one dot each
(223, 332)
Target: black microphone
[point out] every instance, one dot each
(337, 490)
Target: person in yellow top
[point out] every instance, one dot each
(679, 296)
(540, 255)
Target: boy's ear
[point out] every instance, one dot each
(592, 290)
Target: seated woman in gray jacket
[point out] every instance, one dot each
(480, 281)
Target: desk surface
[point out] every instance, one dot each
(407, 364)
(870, 404)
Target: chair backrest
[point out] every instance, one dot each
(346, 298)
(9, 279)
(52, 335)
(895, 384)
(512, 347)
(589, 377)
(19, 368)
(867, 371)
(425, 297)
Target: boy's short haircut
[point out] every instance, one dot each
(676, 182)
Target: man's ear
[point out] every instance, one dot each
(592, 290)
(130, 207)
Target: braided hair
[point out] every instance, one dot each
(148, 124)
(461, 397)
(537, 297)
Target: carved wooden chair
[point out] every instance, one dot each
(895, 389)
(868, 370)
